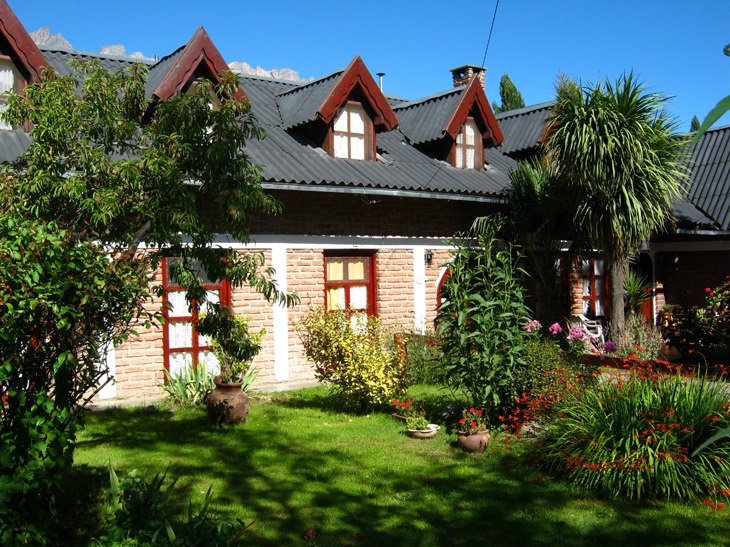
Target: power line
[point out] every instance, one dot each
(494, 18)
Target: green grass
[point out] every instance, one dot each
(299, 464)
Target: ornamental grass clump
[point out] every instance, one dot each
(634, 436)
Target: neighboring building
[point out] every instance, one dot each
(371, 186)
(692, 254)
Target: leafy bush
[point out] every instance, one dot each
(142, 516)
(422, 357)
(638, 290)
(481, 320)
(189, 385)
(232, 342)
(633, 437)
(348, 352)
(700, 329)
(541, 355)
(639, 339)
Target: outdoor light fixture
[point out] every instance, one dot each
(429, 256)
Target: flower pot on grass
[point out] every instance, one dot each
(473, 435)
(234, 346)
(227, 403)
(427, 433)
(474, 442)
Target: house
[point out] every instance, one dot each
(371, 185)
(694, 251)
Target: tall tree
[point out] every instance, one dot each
(695, 124)
(618, 158)
(509, 94)
(106, 170)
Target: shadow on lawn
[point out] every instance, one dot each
(453, 499)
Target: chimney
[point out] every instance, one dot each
(463, 75)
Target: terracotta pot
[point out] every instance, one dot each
(227, 403)
(475, 442)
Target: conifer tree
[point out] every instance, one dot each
(509, 94)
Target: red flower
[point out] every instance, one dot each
(471, 409)
(310, 534)
(462, 421)
(473, 424)
(480, 412)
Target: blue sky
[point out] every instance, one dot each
(674, 46)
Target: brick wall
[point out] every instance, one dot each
(684, 275)
(139, 361)
(320, 213)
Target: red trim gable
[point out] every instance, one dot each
(357, 75)
(26, 53)
(474, 100)
(200, 57)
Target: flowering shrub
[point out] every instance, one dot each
(472, 421)
(348, 352)
(634, 436)
(555, 329)
(700, 329)
(639, 339)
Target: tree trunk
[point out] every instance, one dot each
(619, 269)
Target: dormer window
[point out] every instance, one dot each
(352, 133)
(468, 151)
(10, 80)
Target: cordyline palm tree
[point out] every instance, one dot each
(620, 168)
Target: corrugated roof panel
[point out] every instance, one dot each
(159, 70)
(523, 127)
(709, 187)
(12, 144)
(425, 120)
(299, 106)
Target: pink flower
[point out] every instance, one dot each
(555, 329)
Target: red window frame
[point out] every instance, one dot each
(593, 280)
(196, 348)
(370, 282)
(368, 135)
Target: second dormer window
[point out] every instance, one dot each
(468, 149)
(352, 132)
(10, 80)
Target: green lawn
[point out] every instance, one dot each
(299, 464)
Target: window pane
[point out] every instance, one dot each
(359, 298)
(181, 335)
(195, 267)
(335, 269)
(336, 298)
(211, 297)
(210, 362)
(341, 146)
(8, 76)
(599, 286)
(357, 121)
(459, 157)
(586, 307)
(470, 132)
(179, 362)
(586, 270)
(341, 121)
(586, 287)
(598, 267)
(178, 307)
(599, 307)
(470, 157)
(356, 269)
(357, 148)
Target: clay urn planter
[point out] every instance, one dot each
(227, 404)
(474, 442)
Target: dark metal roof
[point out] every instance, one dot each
(684, 213)
(159, 70)
(12, 144)
(424, 120)
(60, 59)
(709, 189)
(287, 157)
(299, 106)
(523, 127)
